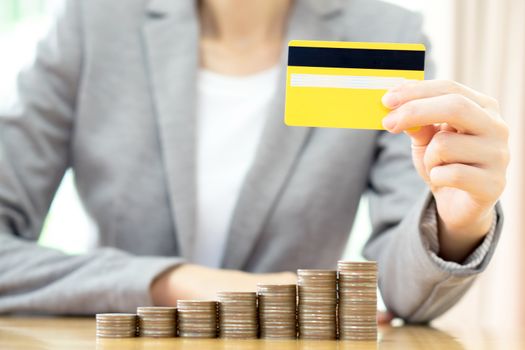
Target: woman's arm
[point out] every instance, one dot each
(35, 137)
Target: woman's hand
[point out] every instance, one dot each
(197, 282)
(460, 148)
(189, 281)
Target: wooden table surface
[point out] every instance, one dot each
(79, 333)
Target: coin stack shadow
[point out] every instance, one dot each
(197, 318)
(116, 325)
(157, 321)
(238, 315)
(277, 311)
(357, 300)
(317, 304)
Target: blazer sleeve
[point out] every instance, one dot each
(414, 284)
(35, 135)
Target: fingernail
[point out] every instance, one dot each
(389, 122)
(390, 100)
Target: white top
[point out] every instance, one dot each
(231, 113)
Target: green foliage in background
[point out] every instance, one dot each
(14, 11)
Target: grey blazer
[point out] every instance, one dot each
(111, 94)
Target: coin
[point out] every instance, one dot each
(238, 315)
(317, 304)
(157, 321)
(116, 325)
(197, 318)
(277, 311)
(357, 283)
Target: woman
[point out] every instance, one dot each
(170, 113)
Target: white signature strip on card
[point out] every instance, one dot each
(345, 81)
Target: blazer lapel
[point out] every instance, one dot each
(280, 146)
(170, 37)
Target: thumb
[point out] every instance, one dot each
(422, 136)
(420, 139)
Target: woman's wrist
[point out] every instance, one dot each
(457, 243)
(188, 281)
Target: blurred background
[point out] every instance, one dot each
(480, 43)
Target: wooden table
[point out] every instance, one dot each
(79, 333)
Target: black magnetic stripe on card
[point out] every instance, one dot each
(356, 58)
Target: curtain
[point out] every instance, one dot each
(489, 55)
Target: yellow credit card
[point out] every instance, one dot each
(340, 84)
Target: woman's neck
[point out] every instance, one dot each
(242, 36)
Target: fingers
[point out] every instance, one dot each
(451, 105)
(449, 147)
(415, 90)
(477, 182)
(456, 110)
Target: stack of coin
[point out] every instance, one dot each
(357, 300)
(157, 322)
(197, 318)
(116, 325)
(277, 311)
(317, 304)
(237, 315)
